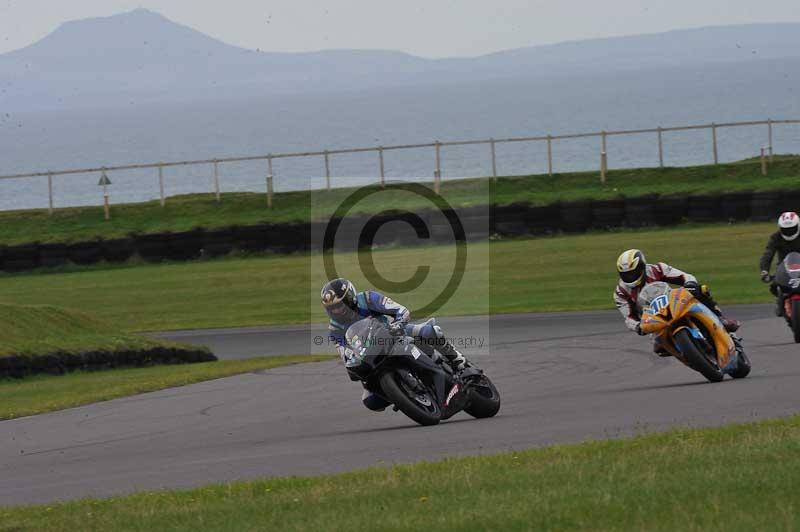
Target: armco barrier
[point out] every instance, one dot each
(479, 223)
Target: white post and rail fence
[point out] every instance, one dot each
(767, 154)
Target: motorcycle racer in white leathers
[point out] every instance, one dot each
(635, 273)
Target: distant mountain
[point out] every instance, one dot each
(142, 56)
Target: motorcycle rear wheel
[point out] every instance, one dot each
(695, 358)
(796, 321)
(396, 391)
(484, 399)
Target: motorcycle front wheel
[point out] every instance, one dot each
(695, 358)
(484, 399)
(416, 402)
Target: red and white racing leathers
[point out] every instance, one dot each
(625, 297)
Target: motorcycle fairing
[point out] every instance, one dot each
(685, 311)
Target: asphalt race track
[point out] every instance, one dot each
(564, 378)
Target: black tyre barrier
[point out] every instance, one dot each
(19, 366)
(118, 249)
(253, 238)
(671, 210)
(153, 247)
(290, 238)
(608, 213)
(641, 211)
(735, 206)
(186, 245)
(704, 208)
(576, 216)
(219, 242)
(789, 201)
(53, 255)
(85, 253)
(509, 220)
(543, 220)
(21, 258)
(765, 206)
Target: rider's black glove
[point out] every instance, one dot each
(639, 330)
(397, 328)
(693, 288)
(765, 277)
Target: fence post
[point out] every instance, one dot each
(216, 180)
(269, 182)
(161, 184)
(714, 142)
(660, 148)
(380, 160)
(604, 158)
(327, 171)
(769, 126)
(106, 203)
(50, 192)
(437, 173)
(763, 162)
(550, 155)
(494, 159)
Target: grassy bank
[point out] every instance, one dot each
(187, 212)
(544, 274)
(35, 395)
(671, 481)
(39, 330)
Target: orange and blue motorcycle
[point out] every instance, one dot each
(688, 330)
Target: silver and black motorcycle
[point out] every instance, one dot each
(415, 378)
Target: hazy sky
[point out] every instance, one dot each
(430, 28)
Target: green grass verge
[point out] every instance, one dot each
(544, 274)
(43, 330)
(187, 212)
(741, 477)
(39, 394)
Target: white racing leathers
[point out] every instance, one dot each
(625, 297)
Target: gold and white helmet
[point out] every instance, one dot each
(632, 267)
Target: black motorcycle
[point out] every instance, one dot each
(415, 378)
(787, 282)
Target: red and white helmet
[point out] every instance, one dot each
(789, 224)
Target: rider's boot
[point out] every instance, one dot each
(456, 360)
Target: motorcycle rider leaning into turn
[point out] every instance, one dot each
(345, 306)
(783, 241)
(635, 273)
